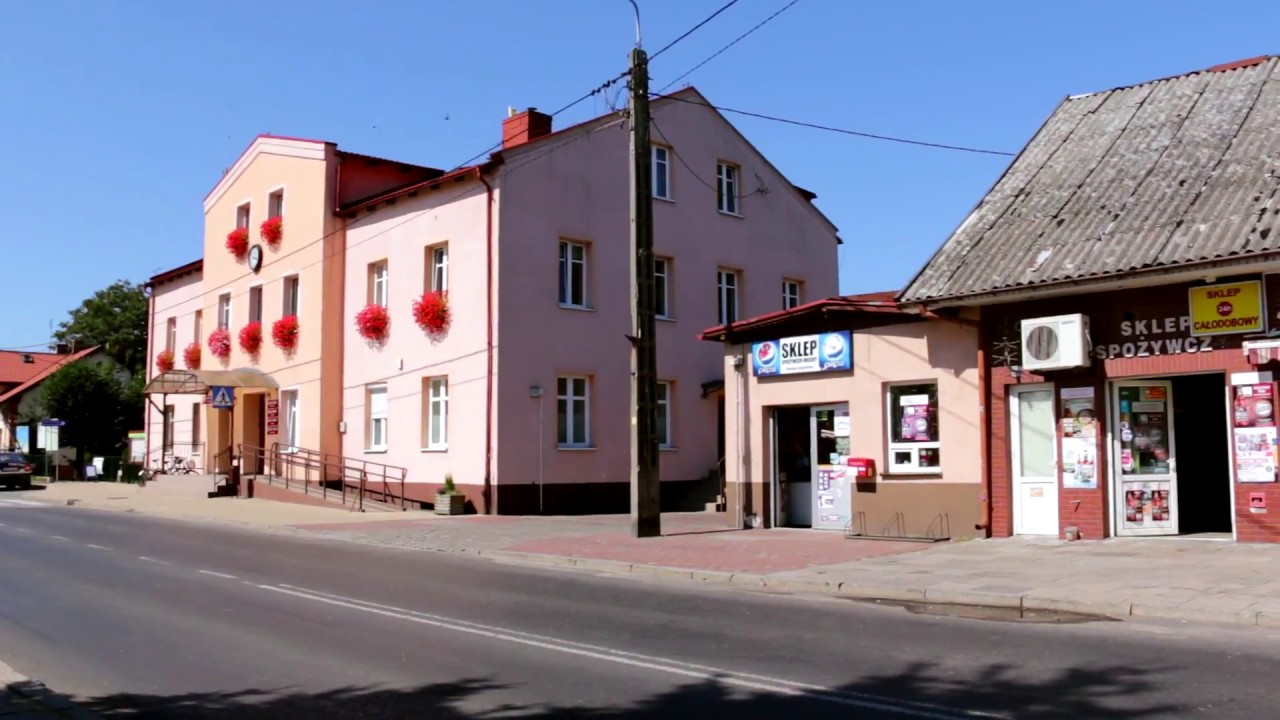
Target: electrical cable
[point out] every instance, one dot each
(736, 40)
(693, 29)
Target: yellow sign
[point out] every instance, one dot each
(1226, 309)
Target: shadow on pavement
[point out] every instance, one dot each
(33, 488)
(1101, 694)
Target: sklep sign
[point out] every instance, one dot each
(824, 352)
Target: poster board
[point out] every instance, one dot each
(1078, 430)
(1253, 432)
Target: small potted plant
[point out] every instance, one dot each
(164, 361)
(448, 500)
(272, 231)
(191, 356)
(238, 243)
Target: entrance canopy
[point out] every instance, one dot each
(198, 382)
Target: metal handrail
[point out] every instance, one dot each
(360, 471)
(323, 471)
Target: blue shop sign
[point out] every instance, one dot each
(824, 352)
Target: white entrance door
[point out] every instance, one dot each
(1146, 494)
(1034, 452)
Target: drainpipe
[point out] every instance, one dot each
(984, 430)
(488, 346)
(146, 375)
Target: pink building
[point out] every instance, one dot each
(523, 395)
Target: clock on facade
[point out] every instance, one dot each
(255, 258)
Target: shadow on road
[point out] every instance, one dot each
(7, 489)
(1101, 694)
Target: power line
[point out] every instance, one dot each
(736, 40)
(843, 131)
(693, 29)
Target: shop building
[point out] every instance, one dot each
(1121, 269)
(853, 414)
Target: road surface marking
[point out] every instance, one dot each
(224, 576)
(144, 558)
(665, 665)
(21, 503)
(60, 537)
(97, 547)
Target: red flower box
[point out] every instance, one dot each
(220, 343)
(191, 356)
(164, 361)
(251, 338)
(238, 242)
(431, 312)
(284, 333)
(373, 323)
(272, 230)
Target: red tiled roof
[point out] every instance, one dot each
(47, 363)
(14, 370)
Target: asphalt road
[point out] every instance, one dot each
(144, 618)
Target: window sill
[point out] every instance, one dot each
(576, 448)
(905, 474)
(664, 318)
(667, 448)
(577, 308)
(375, 451)
(665, 199)
(444, 449)
(726, 213)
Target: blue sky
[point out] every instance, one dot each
(119, 116)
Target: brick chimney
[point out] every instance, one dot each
(520, 128)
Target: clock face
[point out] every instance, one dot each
(255, 258)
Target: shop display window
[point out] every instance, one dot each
(914, 442)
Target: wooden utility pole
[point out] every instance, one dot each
(646, 520)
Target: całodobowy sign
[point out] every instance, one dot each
(1212, 311)
(824, 352)
(1226, 308)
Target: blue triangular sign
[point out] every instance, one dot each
(222, 397)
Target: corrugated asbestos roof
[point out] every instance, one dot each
(1172, 172)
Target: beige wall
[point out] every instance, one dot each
(945, 352)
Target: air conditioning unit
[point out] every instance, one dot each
(1060, 342)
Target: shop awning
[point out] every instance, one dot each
(198, 382)
(1261, 352)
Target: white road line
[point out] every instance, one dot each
(144, 558)
(224, 576)
(674, 667)
(97, 547)
(59, 537)
(21, 503)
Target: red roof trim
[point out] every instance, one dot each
(1247, 62)
(40, 376)
(174, 274)
(373, 202)
(877, 302)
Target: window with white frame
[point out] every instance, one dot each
(727, 294)
(438, 268)
(289, 301)
(573, 410)
(573, 274)
(376, 412)
(914, 443)
(275, 204)
(171, 334)
(378, 283)
(663, 401)
(242, 216)
(662, 172)
(255, 304)
(662, 287)
(727, 188)
(435, 421)
(790, 294)
(224, 311)
(289, 419)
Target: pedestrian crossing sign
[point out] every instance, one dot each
(224, 398)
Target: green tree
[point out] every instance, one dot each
(90, 398)
(116, 318)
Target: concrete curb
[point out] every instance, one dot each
(43, 701)
(1111, 609)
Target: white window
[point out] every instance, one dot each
(573, 275)
(255, 304)
(573, 407)
(663, 401)
(662, 287)
(378, 283)
(662, 172)
(290, 300)
(224, 311)
(727, 188)
(727, 291)
(171, 334)
(790, 294)
(289, 419)
(436, 422)
(438, 266)
(242, 216)
(913, 428)
(198, 326)
(376, 408)
(275, 204)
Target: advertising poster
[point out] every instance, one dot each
(832, 498)
(1147, 504)
(824, 352)
(1079, 439)
(916, 410)
(1254, 433)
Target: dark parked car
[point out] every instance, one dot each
(15, 471)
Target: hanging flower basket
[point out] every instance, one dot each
(431, 312)
(272, 230)
(164, 361)
(238, 243)
(191, 356)
(284, 333)
(220, 343)
(251, 338)
(373, 323)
